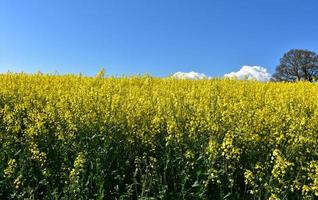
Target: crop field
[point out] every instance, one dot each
(77, 137)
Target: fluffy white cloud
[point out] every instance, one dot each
(250, 73)
(189, 75)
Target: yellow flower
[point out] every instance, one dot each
(9, 171)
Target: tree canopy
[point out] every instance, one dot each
(296, 65)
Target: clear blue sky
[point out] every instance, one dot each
(158, 37)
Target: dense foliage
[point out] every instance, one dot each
(74, 137)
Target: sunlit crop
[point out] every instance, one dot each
(75, 137)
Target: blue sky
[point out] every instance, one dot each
(158, 37)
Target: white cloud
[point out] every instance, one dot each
(250, 73)
(189, 75)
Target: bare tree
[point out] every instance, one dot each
(296, 65)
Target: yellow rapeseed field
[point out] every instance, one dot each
(77, 137)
